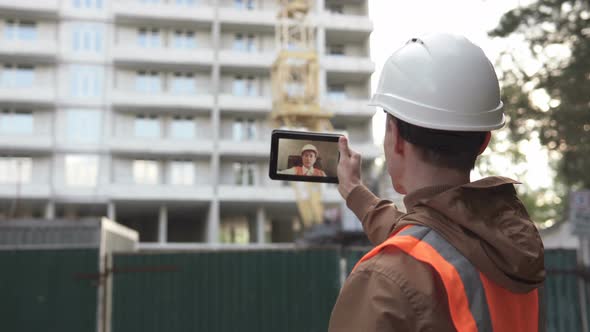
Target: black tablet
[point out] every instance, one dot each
(304, 156)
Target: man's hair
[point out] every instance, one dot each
(442, 148)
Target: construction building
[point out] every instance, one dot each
(155, 113)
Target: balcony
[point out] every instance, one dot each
(26, 143)
(265, 19)
(135, 100)
(39, 51)
(161, 147)
(136, 192)
(135, 12)
(36, 96)
(45, 8)
(242, 59)
(347, 64)
(248, 104)
(352, 108)
(274, 194)
(162, 57)
(360, 24)
(250, 149)
(24, 190)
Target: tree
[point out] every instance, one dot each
(557, 33)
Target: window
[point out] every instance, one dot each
(336, 49)
(81, 170)
(16, 122)
(244, 174)
(86, 81)
(148, 38)
(336, 92)
(18, 76)
(87, 38)
(147, 126)
(145, 171)
(244, 129)
(182, 173)
(184, 39)
(244, 86)
(335, 8)
(182, 127)
(83, 126)
(239, 43)
(183, 83)
(148, 81)
(20, 30)
(186, 2)
(15, 169)
(244, 4)
(246, 43)
(88, 4)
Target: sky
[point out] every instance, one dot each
(396, 21)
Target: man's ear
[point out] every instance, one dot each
(399, 141)
(485, 143)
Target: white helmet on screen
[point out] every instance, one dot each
(309, 147)
(441, 81)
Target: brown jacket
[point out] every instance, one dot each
(392, 291)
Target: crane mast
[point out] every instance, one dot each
(295, 91)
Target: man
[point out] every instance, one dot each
(309, 155)
(465, 256)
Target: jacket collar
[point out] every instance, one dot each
(422, 194)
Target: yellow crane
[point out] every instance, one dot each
(295, 91)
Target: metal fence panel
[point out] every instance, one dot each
(562, 289)
(254, 290)
(45, 290)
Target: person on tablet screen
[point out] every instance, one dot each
(309, 155)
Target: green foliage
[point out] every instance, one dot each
(549, 25)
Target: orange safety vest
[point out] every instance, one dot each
(316, 172)
(476, 303)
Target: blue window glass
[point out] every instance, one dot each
(148, 38)
(86, 81)
(87, 37)
(183, 83)
(83, 126)
(148, 82)
(147, 126)
(182, 127)
(20, 76)
(16, 122)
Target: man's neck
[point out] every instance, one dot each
(422, 177)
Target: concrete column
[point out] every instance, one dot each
(213, 223)
(50, 210)
(111, 211)
(212, 234)
(260, 223)
(163, 224)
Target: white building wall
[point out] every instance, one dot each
(117, 74)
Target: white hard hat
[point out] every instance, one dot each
(309, 147)
(441, 81)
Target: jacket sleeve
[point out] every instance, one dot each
(378, 216)
(372, 302)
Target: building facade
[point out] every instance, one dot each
(154, 113)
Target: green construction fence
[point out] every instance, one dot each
(217, 291)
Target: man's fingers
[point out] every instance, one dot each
(343, 147)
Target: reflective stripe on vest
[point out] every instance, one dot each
(475, 302)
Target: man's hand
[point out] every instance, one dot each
(349, 168)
